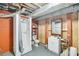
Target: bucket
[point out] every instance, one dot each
(73, 51)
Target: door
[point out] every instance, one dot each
(6, 34)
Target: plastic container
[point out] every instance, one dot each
(73, 51)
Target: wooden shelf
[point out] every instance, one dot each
(64, 30)
(56, 34)
(49, 30)
(34, 28)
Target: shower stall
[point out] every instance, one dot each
(22, 34)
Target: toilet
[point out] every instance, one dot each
(36, 41)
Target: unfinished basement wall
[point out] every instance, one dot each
(64, 14)
(44, 29)
(70, 24)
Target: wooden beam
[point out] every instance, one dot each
(37, 5)
(14, 5)
(25, 6)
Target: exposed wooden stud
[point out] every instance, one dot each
(31, 6)
(37, 5)
(25, 6)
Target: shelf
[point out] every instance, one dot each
(49, 30)
(56, 34)
(34, 28)
(64, 30)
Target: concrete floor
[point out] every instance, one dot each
(36, 51)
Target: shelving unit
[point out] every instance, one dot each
(64, 44)
(35, 28)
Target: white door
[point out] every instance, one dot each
(25, 32)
